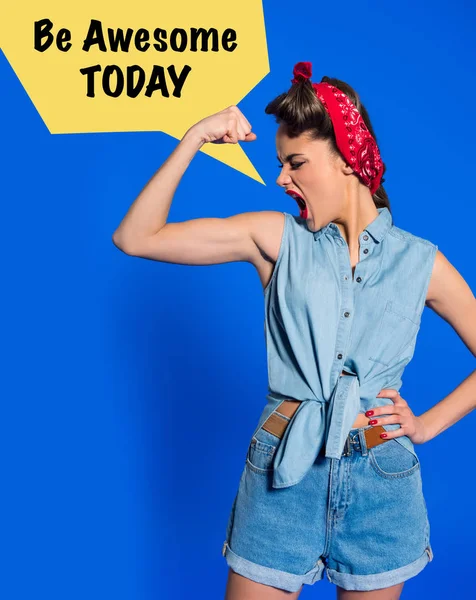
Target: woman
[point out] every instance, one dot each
(332, 463)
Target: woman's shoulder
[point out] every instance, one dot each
(405, 236)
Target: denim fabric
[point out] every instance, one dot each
(313, 500)
(318, 499)
(361, 519)
(319, 320)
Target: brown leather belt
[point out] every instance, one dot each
(276, 424)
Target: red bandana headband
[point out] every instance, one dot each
(354, 140)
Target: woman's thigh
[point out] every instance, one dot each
(242, 588)
(390, 593)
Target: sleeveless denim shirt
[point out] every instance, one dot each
(321, 320)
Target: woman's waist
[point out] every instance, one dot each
(361, 420)
(291, 405)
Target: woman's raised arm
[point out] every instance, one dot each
(148, 213)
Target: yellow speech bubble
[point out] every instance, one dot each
(103, 66)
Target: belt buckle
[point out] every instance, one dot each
(349, 442)
(355, 442)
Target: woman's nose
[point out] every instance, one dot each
(283, 179)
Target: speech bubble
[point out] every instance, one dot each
(103, 66)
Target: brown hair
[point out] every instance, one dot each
(300, 110)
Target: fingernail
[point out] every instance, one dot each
(373, 421)
(383, 435)
(369, 413)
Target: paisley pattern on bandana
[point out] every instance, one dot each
(353, 138)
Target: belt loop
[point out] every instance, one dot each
(363, 442)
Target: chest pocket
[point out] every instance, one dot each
(395, 332)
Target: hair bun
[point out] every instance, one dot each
(301, 72)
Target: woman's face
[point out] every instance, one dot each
(311, 171)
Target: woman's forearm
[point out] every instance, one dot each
(149, 212)
(451, 409)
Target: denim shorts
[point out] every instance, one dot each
(362, 519)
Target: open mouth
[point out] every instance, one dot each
(300, 201)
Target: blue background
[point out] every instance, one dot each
(130, 388)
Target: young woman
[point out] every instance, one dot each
(331, 466)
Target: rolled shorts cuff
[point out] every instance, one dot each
(289, 582)
(348, 581)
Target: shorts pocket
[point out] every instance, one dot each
(396, 331)
(261, 451)
(391, 459)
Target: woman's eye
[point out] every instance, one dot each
(294, 166)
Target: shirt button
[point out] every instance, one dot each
(366, 251)
(339, 356)
(347, 314)
(366, 237)
(345, 277)
(359, 279)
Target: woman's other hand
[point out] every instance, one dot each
(410, 425)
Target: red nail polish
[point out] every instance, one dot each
(373, 422)
(383, 435)
(369, 413)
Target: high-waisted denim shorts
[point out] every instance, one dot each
(362, 519)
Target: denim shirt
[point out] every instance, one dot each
(321, 320)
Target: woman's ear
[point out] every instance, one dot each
(343, 166)
(348, 170)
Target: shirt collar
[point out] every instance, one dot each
(377, 228)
